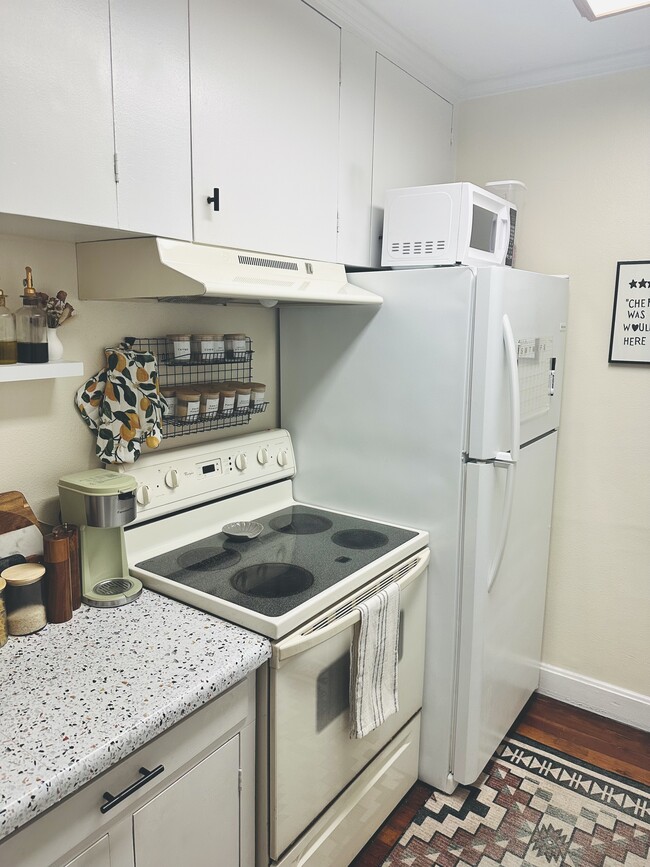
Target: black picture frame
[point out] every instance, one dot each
(629, 341)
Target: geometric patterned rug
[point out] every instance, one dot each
(532, 807)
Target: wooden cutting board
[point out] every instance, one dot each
(20, 529)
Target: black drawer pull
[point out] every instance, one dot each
(214, 199)
(114, 800)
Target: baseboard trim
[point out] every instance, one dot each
(605, 699)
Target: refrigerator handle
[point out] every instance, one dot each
(508, 460)
(513, 388)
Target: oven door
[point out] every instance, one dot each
(311, 755)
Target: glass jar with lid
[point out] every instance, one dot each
(236, 346)
(179, 348)
(3, 613)
(207, 348)
(24, 598)
(8, 354)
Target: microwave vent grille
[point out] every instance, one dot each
(416, 248)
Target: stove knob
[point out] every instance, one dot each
(143, 495)
(283, 459)
(171, 479)
(241, 462)
(263, 456)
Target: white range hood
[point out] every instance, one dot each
(167, 270)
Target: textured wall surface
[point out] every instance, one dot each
(42, 436)
(582, 150)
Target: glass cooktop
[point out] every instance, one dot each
(300, 552)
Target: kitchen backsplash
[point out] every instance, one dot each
(41, 434)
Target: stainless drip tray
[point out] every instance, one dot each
(113, 592)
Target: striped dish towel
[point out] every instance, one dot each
(373, 662)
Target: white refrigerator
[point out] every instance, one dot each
(440, 410)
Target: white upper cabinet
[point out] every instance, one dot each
(265, 109)
(412, 140)
(56, 127)
(151, 94)
(355, 150)
(395, 132)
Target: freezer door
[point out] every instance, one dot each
(534, 308)
(501, 627)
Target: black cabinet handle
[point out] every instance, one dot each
(214, 199)
(114, 800)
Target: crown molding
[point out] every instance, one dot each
(357, 18)
(557, 75)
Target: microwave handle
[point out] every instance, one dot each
(305, 639)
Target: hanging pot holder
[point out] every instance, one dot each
(123, 405)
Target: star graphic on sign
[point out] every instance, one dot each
(632, 284)
(643, 283)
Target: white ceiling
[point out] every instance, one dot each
(477, 47)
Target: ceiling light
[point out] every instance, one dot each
(595, 9)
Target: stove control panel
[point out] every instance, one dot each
(179, 478)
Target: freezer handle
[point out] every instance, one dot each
(346, 614)
(508, 460)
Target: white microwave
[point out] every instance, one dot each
(447, 224)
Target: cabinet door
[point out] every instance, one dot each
(355, 150)
(56, 135)
(151, 94)
(97, 855)
(265, 101)
(412, 141)
(196, 819)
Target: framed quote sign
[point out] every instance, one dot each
(630, 339)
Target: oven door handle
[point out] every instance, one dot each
(345, 614)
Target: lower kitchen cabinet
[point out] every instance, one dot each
(194, 819)
(198, 810)
(96, 855)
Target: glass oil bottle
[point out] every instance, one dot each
(31, 326)
(7, 333)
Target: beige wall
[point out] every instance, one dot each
(583, 150)
(42, 435)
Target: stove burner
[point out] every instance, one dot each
(300, 523)
(360, 540)
(272, 580)
(208, 559)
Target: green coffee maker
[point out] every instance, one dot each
(101, 503)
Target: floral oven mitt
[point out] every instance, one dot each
(123, 405)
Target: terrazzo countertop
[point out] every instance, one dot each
(78, 697)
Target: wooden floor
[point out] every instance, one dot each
(583, 735)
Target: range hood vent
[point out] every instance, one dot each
(167, 270)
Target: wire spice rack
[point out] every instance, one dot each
(198, 370)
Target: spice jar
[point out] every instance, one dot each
(208, 347)
(179, 348)
(227, 400)
(3, 613)
(236, 345)
(210, 396)
(242, 396)
(188, 403)
(170, 396)
(258, 393)
(24, 598)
